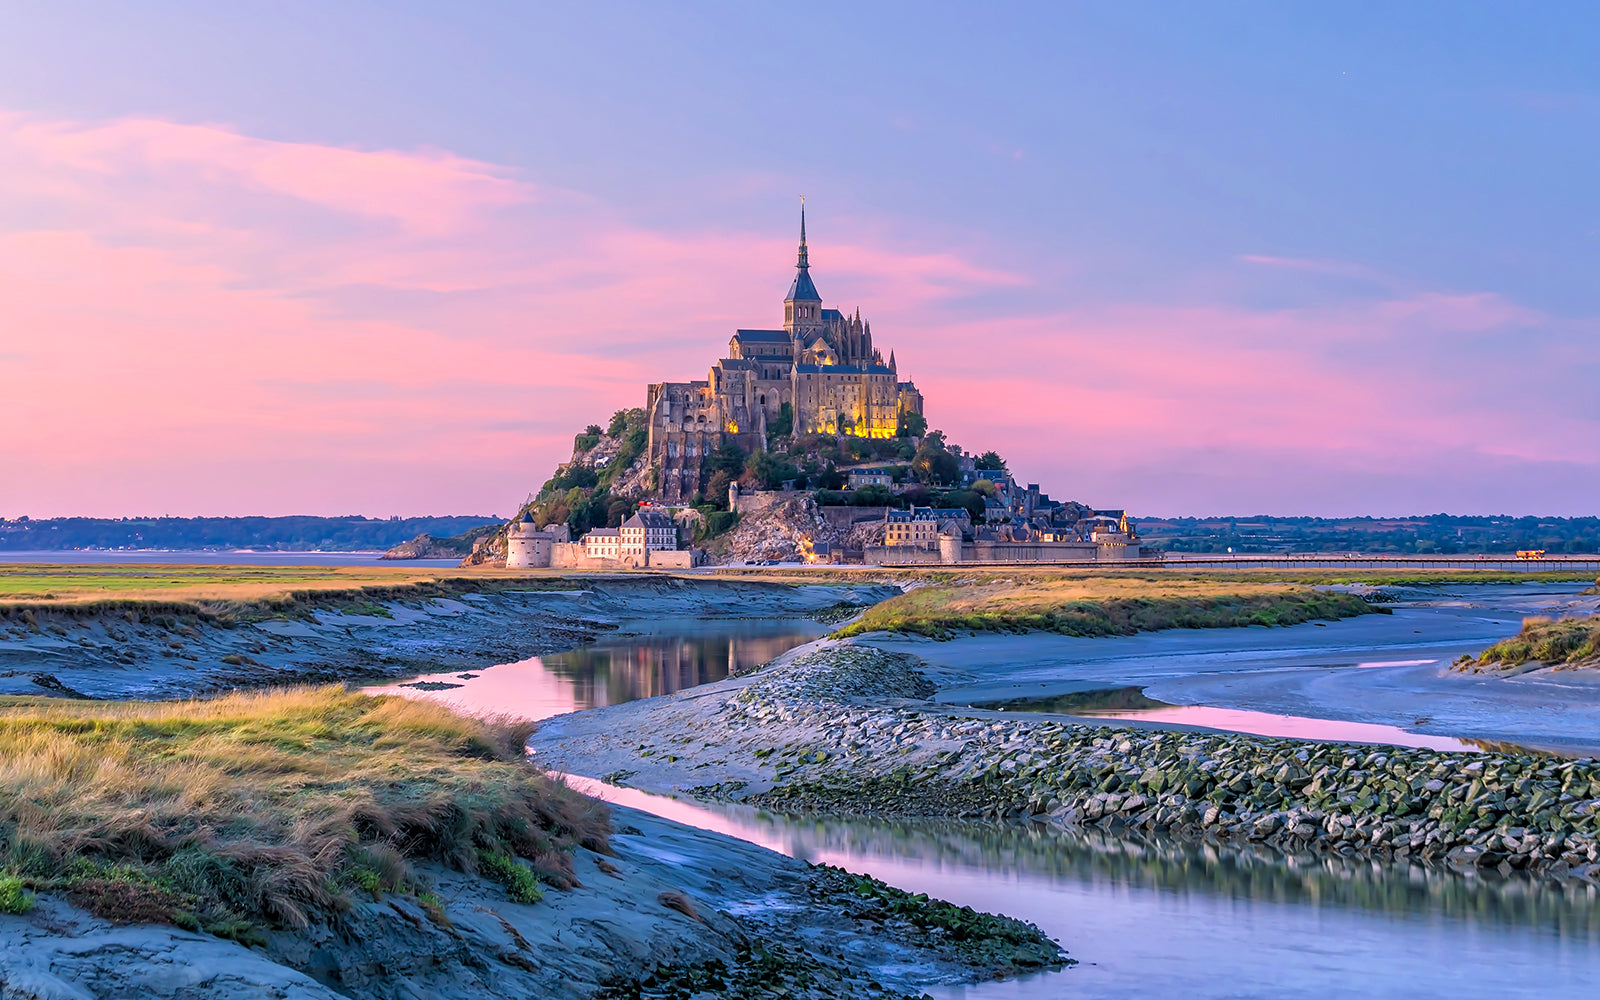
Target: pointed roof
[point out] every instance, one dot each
(801, 289)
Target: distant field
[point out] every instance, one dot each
(34, 583)
(1153, 577)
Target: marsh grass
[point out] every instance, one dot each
(236, 590)
(1566, 641)
(1100, 605)
(271, 808)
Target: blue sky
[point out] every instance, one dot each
(1382, 217)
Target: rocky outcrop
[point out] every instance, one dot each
(1517, 810)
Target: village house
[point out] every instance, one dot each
(603, 543)
(647, 531)
(857, 478)
(920, 527)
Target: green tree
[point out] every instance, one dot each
(717, 489)
(726, 457)
(911, 425)
(830, 478)
(933, 462)
(991, 460)
(769, 471)
(619, 423)
(970, 499)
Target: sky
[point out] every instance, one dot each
(344, 257)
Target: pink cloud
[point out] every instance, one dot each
(193, 320)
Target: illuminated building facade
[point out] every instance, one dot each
(821, 366)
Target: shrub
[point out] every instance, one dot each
(521, 884)
(14, 899)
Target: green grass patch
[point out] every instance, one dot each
(272, 809)
(1101, 607)
(14, 897)
(1565, 641)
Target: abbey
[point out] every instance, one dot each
(820, 371)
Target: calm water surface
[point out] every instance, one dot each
(1146, 917)
(640, 660)
(1150, 917)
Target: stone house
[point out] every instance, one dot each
(647, 531)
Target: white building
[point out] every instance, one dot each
(648, 531)
(603, 543)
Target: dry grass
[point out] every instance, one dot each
(1566, 641)
(269, 808)
(1084, 604)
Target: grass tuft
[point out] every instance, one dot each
(14, 898)
(270, 808)
(1566, 641)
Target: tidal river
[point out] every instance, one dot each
(1144, 917)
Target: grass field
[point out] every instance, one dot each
(1566, 641)
(1089, 605)
(243, 592)
(272, 808)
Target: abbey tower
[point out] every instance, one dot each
(821, 366)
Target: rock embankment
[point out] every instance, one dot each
(1496, 809)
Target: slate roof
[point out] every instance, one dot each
(763, 336)
(802, 290)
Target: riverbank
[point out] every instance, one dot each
(1101, 605)
(174, 647)
(1556, 643)
(317, 843)
(842, 727)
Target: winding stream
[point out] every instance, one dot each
(1154, 917)
(1144, 916)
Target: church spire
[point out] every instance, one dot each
(802, 290)
(803, 264)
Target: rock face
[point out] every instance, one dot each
(428, 547)
(672, 900)
(781, 530)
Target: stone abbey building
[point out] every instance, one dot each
(821, 366)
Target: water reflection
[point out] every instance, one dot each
(1130, 703)
(1151, 916)
(641, 660)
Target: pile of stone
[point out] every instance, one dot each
(779, 531)
(1504, 810)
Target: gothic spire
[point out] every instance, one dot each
(802, 290)
(803, 263)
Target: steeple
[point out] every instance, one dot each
(802, 263)
(802, 307)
